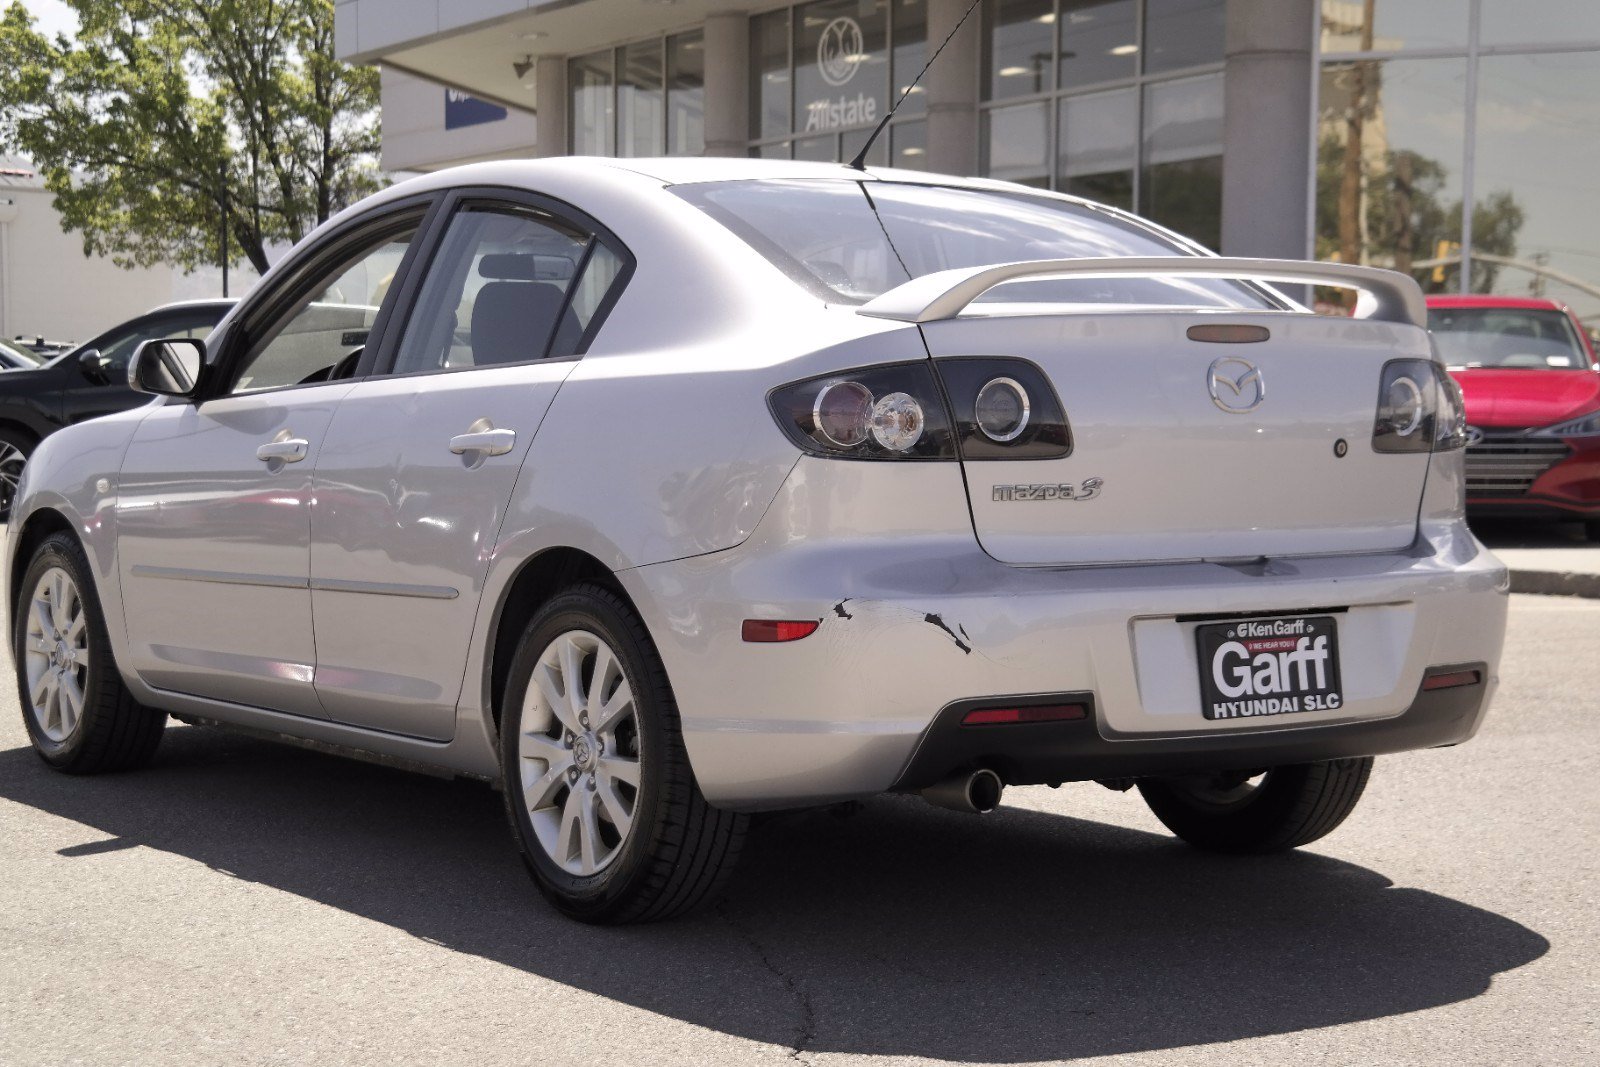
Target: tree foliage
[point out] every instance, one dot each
(160, 112)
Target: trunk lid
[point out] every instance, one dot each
(1180, 478)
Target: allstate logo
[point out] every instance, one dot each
(840, 51)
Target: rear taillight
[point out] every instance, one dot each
(1004, 408)
(1003, 716)
(893, 411)
(998, 408)
(1419, 409)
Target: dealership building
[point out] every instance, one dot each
(1456, 139)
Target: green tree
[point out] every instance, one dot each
(161, 114)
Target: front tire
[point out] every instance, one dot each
(1284, 808)
(80, 717)
(602, 802)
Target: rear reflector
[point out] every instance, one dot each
(777, 630)
(1453, 680)
(1037, 713)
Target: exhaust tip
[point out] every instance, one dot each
(974, 792)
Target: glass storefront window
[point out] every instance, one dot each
(1391, 139)
(1097, 146)
(909, 30)
(823, 149)
(1099, 41)
(1181, 186)
(686, 79)
(1183, 33)
(769, 69)
(1016, 142)
(1534, 228)
(590, 104)
(851, 142)
(1539, 22)
(841, 64)
(1390, 25)
(908, 145)
(639, 99)
(1019, 54)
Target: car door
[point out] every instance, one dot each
(420, 462)
(215, 497)
(96, 392)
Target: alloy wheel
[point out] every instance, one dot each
(11, 463)
(56, 654)
(578, 751)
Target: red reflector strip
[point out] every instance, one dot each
(1453, 680)
(777, 630)
(1037, 713)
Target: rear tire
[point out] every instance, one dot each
(603, 805)
(1285, 808)
(80, 717)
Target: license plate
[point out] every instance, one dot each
(1255, 668)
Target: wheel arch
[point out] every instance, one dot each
(21, 429)
(42, 523)
(539, 577)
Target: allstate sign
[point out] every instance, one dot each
(840, 50)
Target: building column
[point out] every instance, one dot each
(952, 89)
(727, 86)
(1267, 135)
(550, 95)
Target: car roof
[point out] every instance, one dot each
(1523, 303)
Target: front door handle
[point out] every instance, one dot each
(287, 450)
(484, 442)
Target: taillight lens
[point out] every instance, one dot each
(1005, 408)
(894, 411)
(1419, 409)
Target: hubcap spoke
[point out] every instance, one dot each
(71, 698)
(620, 769)
(572, 680)
(56, 655)
(616, 810)
(615, 709)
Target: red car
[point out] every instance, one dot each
(1530, 378)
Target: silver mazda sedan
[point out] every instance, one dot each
(666, 491)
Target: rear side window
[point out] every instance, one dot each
(850, 241)
(508, 285)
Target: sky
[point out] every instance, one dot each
(51, 16)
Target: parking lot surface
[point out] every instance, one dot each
(245, 902)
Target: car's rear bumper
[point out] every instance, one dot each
(912, 622)
(1078, 750)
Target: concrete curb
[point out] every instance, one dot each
(1556, 583)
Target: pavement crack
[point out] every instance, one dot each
(805, 1026)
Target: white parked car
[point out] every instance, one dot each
(665, 491)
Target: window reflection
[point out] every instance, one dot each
(1099, 41)
(686, 78)
(1390, 145)
(1539, 22)
(1015, 141)
(1020, 51)
(1534, 228)
(639, 99)
(1183, 33)
(1389, 25)
(589, 89)
(769, 63)
(1182, 181)
(1097, 146)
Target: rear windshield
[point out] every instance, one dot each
(850, 241)
(1507, 337)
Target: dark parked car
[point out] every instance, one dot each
(90, 380)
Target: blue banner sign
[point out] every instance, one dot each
(463, 110)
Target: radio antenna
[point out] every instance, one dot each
(860, 162)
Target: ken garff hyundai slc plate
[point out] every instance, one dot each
(666, 491)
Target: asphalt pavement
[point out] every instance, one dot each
(244, 902)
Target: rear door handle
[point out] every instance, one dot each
(485, 442)
(289, 450)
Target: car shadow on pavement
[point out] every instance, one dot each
(901, 930)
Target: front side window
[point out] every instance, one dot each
(506, 286)
(327, 330)
(849, 242)
(118, 348)
(1507, 337)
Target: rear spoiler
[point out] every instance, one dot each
(943, 295)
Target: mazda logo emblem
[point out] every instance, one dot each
(1235, 385)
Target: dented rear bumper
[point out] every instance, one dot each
(915, 617)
